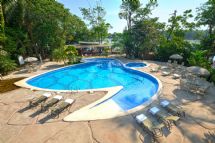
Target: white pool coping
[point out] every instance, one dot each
(103, 110)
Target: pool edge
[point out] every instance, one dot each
(111, 91)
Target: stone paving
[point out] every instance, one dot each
(197, 127)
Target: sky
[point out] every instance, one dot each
(112, 7)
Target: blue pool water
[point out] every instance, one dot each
(138, 87)
(135, 65)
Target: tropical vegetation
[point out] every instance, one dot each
(146, 38)
(43, 28)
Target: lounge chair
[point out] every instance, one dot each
(168, 119)
(166, 73)
(153, 127)
(175, 110)
(51, 102)
(169, 63)
(175, 64)
(61, 107)
(164, 67)
(37, 100)
(176, 76)
(181, 66)
(154, 69)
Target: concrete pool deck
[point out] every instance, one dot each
(197, 127)
(95, 110)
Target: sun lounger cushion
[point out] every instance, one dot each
(164, 67)
(140, 118)
(165, 73)
(58, 97)
(154, 110)
(47, 94)
(176, 75)
(164, 103)
(70, 101)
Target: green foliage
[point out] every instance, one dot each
(174, 46)
(2, 25)
(36, 27)
(95, 17)
(33, 27)
(146, 35)
(15, 41)
(66, 53)
(198, 58)
(206, 17)
(117, 42)
(128, 8)
(173, 41)
(143, 37)
(76, 29)
(178, 25)
(6, 64)
(59, 55)
(71, 53)
(106, 52)
(212, 77)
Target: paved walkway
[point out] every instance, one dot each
(197, 127)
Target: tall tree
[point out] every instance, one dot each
(173, 40)
(3, 4)
(206, 17)
(2, 34)
(143, 35)
(27, 20)
(178, 24)
(95, 17)
(128, 8)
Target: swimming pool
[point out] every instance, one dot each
(138, 87)
(135, 65)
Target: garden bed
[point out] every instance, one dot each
(8, 84)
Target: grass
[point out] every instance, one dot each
(8, 84)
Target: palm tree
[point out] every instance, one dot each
(1, 26)
(3, 6)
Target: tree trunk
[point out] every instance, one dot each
(129, 20)
(30, 34)
(2, 24)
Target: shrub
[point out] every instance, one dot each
(199, 58)
(6, 64)
(105, 52)
(174, 46)
(59, 55)
(212, 76)
(67, 53)
(71, 53)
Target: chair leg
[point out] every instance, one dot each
(69, 108)
(183, 114)
(168, 124)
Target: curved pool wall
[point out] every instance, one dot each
(138, 87)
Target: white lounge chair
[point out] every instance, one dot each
(153, 127)
(37, 100)
(168, 119)
(61, 107)
(176, 76)
(175, 110)
(51, 102)
(155, 69)
(166, 73)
